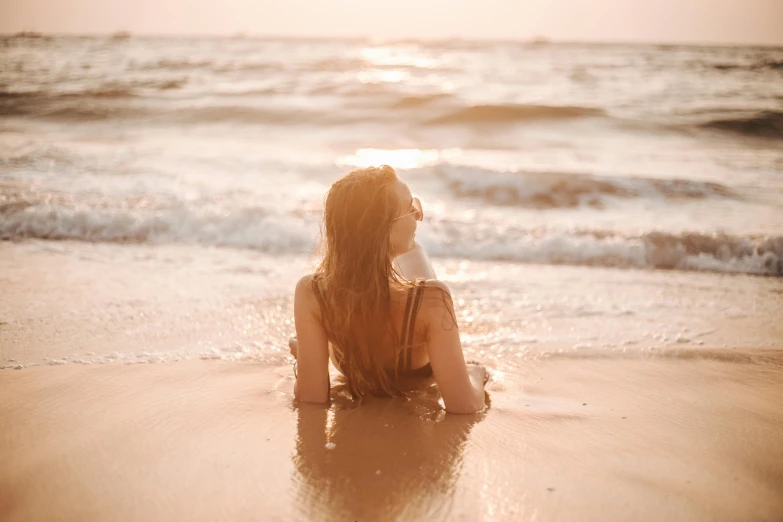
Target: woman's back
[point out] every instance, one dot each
(436, 347)
(407, 350)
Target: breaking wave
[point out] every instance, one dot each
(479, 114)
(278, 232)
(564, 190)
(656, 250)
(407, 102)
(67, 110)
(766, 124)
(769, 64)
(253, 228)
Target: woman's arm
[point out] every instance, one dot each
(312, 354)
(415, 263)
(461, 385)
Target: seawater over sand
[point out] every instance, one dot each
(95, 303)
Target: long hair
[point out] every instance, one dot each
(356, 277)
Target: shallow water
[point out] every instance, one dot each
(79, 302)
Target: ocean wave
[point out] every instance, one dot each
(252, 228)
(219, 66)
(416, 101)
(77, 111)
(216, 66)
(107, 90)
(74, 112)
(655, 250)
(81, 104)
(168, 64)
(445, 44)
(382, 92)
(483, 114)
(251, 115)
(251, 92)
(336, 64)
(721, 252)
(765, 124)
(104, 92)
(769, 64)
(294, 233)
(564, 190)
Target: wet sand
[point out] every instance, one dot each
(691, 436)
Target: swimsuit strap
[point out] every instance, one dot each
(410, 315)
(321, 300)
(406, 318)
(322, 305)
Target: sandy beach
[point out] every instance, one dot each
(678, 438)
(666, 428)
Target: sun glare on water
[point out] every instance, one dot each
(392, 63)
(400, 56)
(383, 76)
(397, 158)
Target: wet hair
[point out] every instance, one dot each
(355, 278)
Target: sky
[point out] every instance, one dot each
(679, 21)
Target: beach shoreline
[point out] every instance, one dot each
(616, 395)
(573, 439)
(93, 303)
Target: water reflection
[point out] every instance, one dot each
(385, 459)
(400, 56)
(398, 158)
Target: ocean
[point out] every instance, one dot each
(655, 158)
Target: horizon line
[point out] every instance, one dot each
(239, 35)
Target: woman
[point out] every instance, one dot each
(387, 322)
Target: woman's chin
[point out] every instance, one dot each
(410, 247)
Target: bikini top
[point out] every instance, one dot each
(412, 305)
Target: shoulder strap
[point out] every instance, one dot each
(419, 284)
(406, 317)
(321, 300)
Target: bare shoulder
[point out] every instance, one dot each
(304, 289)
(306, 303)
(436, 287)
(305, 283)
(437, 305)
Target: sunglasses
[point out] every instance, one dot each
(416, 205)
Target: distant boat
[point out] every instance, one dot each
(121, 35)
